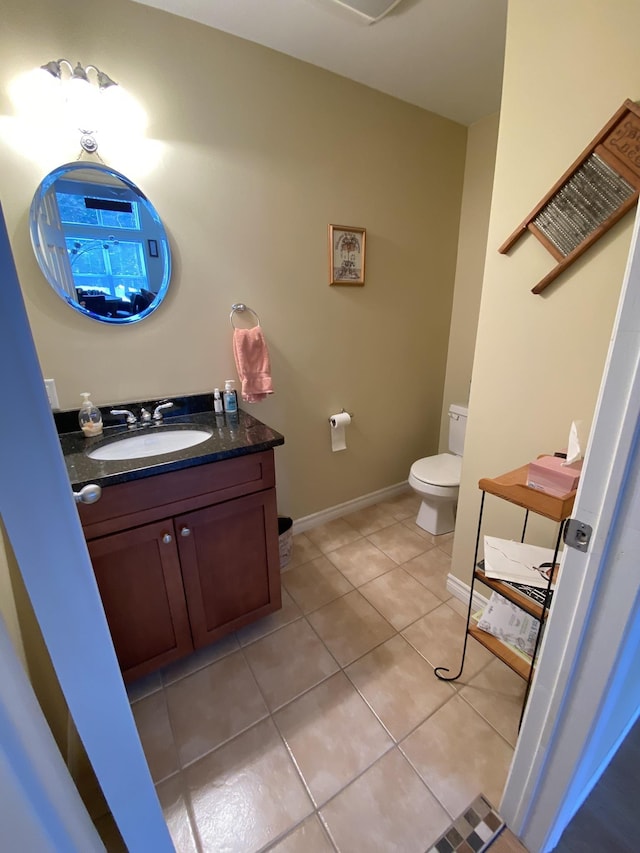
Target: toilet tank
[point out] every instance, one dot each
(457, 427)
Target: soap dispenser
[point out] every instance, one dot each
(230, 398)
(89, 416)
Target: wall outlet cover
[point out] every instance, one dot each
(52, 394)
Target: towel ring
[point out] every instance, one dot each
(240, 306)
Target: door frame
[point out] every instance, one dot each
(43, 527)
(583, 699)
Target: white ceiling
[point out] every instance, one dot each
(443, 55)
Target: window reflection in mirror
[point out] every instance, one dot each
(100, 243)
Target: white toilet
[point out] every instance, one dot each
(437, 478)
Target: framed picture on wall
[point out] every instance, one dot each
(346, 254)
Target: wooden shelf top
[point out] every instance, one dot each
(512, 487)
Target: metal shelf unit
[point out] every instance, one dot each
(512, 487)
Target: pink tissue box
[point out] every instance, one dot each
(549, 475)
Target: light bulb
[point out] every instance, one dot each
(121, 112)
(82, 103)
(36, 93)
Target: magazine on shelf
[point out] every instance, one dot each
(539, 596)
(475, 617)
(509, 623)
(518, 562)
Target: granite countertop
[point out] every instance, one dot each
(231, 436)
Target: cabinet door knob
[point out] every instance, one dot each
(167, 538)
(89, 494)
(185, 532)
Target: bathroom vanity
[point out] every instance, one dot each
(184, 545)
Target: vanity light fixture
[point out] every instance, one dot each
(83, 85)
(80, 248)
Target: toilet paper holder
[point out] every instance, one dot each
(344, 412)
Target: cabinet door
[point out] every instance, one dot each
(138, 575)
(230, 564)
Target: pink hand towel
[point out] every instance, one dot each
(253, 363)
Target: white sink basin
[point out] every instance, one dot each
(150, 444)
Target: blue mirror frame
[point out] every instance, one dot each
(92, 227)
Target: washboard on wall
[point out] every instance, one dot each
(592, 195)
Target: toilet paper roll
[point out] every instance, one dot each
(338, 423)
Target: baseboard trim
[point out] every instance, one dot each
(460, 590)
(332, 512)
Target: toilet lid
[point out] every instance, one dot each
(441, 470)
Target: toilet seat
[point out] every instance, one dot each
(442, 470)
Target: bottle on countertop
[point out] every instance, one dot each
(230, 397)
(217, 401)
(89, 416)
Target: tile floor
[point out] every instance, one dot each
(473, 831)
(322, 727)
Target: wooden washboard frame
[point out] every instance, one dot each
(593, 194)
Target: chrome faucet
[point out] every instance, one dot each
(145, 416)
(157, 412)
(131, 418)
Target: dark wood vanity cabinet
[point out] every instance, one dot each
(140, 582)
(224, 561)
(181, 559)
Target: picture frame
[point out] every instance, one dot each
(153, 248)
(346, 255)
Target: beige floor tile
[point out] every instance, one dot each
(309, 837)
(289, 612)
(399, 543)
(431, 568)
(247, 793)
(332, 734)
(333, 534)
(350, 627)
(173, 801)
(404, 505)
(144, 687)
(460, 607)
(303, 551)
(459, 756)
(507, 842)
(361, 561)
(400, 598)
(399, 685)
(315, 583)
(289, 662)
(411, 525)
(497, 693)
(439, 637)
(200, 658)
(387, 809)
(445, 542)
(212, 705)
(152, 721)
(370, 519)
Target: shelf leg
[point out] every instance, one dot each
(545, 607)
(443, 669)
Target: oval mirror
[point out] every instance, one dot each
(100, 243)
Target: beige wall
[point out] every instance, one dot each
(258, 153)
(8, 611)
(255, 153)
(539, 359)
(472, 246)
